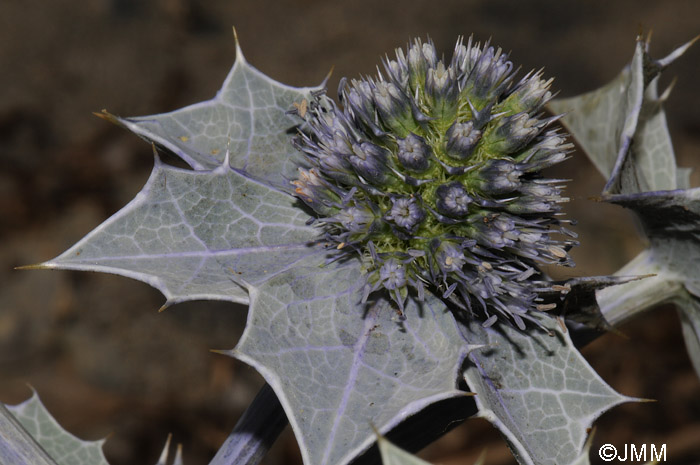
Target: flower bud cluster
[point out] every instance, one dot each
(431, 173)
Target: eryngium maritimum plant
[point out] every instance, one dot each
(431, 173)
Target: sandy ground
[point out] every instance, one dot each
(94, 347)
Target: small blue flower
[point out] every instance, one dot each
(370, 162)
(406, 213)
(392, 274)
(499, 177)
(462, 139)
(413, 153)
(356, 219)
(453, 199)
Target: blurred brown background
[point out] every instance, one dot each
(101, 357)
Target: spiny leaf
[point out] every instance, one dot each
(339, 366)
(61, 446)
(622, 126)
(671, 222)
(603, 121)
(630, 144)
(394, 455)
(248, 117)
(17, 445)
(690, 324)
(537, 390)
(585, 457)
(198, 235)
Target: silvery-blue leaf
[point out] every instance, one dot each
(671, 222)
(631, 146)
(690, 324)
(17, 445)
(340, 367)
(59, 446)
(394, 455)
(198, 235)
(248, 117)
(603, 121)
(585, 457)
(622, 127)
(537, 390)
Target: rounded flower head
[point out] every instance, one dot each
(430, 173)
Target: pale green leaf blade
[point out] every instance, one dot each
(622, 127)
(537, 390)
(340, 367)
(604, 121)
(683, 177)
(17, 446)
(670, 218)
(649, 164)
(198, 235)
(585, 457)
(652, 164)
(60, 445)
(671, 221)
(689, 311)
(394, 455)
(248, 117)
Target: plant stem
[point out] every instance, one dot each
(253, 435)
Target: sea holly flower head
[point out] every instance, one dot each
(430, 173)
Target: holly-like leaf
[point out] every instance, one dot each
(249, 117)
(394, 455)
(53, 445)
(603, 121)
(17, 445)
(671, 222)
(631, 146)
(537, 390)
(690, 324)
(208, 235)
(622, 126)
(339, 366)
(585, 457)
(198, 235)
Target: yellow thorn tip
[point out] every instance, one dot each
(38, 266)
